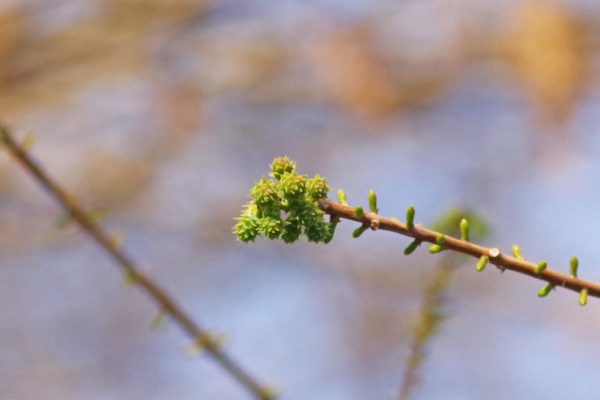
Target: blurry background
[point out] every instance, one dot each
(164, 112)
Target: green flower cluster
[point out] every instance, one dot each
(285, 206)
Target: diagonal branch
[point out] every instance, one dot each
(496, 257)
(200, 335)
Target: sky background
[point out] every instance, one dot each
(164, 113)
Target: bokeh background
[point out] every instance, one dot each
(162, 113)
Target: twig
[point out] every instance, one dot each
(496, 257)
(431, 315)
(430, 318)
(200, 335)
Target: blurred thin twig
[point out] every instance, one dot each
(428, 323)
(431, 314)
(201, 336)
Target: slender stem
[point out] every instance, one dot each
(200, 335)
(428, 325)
(502, 261)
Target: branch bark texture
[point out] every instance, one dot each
(496, 257)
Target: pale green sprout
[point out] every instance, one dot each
(482, 263)
(359, 212)
(545, 291)
(438, 246)
(583, 297)
(341, 195)
(516, 250)
(410, 218)
(412, 247)
(574, 266)
(464, 229)
(541, 267)
(435, 248)
(373, 202)
(359, 231)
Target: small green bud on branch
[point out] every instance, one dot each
(341, 195)
(464, 230)
(359, 212)
(516, 250)
(574, 266)
(359, 231)
(410, 218)
(541, 267)
(373, 202)
(583, 297)
(412, 247)
(545, 291)
(435, 248)
(482, 263)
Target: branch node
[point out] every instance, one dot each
(374, 224)
(494, 252)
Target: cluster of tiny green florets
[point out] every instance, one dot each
(285, 206)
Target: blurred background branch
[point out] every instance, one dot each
(201, 337)
(435, 292)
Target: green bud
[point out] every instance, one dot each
(281, 166)
(292, 228)
(545, 291)
(541, 267)
(373, 202)
(574, 266)
(316, 232)
(331, 231)
(412, 247)
(359, 231)
(264, 192)
(410, 217)
(464, 230)
(307, 212)
(359, 212)
(341, 195)
(270, 227)
(583, 297)
(516, 250)
(317, 187)
(440, 239)
(435, 248)
(246, 228)
(292, 186)
(482, 263)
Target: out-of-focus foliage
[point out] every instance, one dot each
(432, 313)
(549, 49)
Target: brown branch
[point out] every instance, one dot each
(496, 257)
(200, 335)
